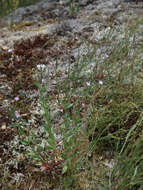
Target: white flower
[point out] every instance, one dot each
(16, 98)
(17, 114)
(43, 81)
(88, 83)
(100, 82)
(41, 67)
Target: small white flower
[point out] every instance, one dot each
(41, 67)
(83, 105)
(17, 114)
(16, 98)
(38, 67)
(88, 83)
(43, 81)
(100, 82)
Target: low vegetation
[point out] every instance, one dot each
(91, 133)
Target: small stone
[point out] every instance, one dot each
(3, 127)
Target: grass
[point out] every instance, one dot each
(91, 136)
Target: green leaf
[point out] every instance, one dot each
(64, 169)
(21, 130)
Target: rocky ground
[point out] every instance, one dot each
(38, 37)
